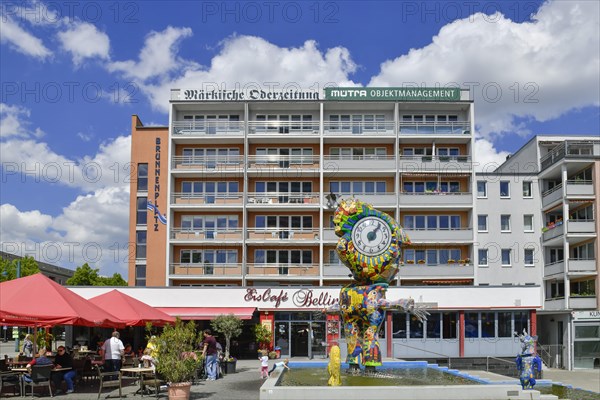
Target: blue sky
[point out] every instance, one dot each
(73, 73)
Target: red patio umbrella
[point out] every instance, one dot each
(129, 310)
(39, 301)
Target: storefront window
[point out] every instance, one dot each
(487, 325)
(450, 325)
(471, 325)
(587, 354)
(587, 332)
(504, 324)
(415, 328)
(521, 321)
(399, 325)
(433, 326)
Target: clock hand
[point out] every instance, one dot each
(373, 234)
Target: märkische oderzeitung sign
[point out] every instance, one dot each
(248, 95)
(394, 94)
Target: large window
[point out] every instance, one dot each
(431, 256)
(209, 188)
(583, 252)
(521, 321)
(505, 324)
(357, 123)
(481, 189)
(140, 244)
(471, 325)
(487, 325)
(415, 327)
(142, 177)
(210, 157)
(430, 187)
(141, 215)
(283, 187)
(583, 288)
(357, 187)
(284, 157)
(583, 214)
(357, 153)
(432, 222)
(450, 325)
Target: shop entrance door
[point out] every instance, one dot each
(300, 333)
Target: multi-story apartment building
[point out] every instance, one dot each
(545, 198)
(241, 188)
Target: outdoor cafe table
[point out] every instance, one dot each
(140, 371)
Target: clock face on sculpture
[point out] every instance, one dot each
(372, 236)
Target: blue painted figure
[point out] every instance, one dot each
(528, 362)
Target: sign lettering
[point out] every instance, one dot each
(395, 94)
(302, 298)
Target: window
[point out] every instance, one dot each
(488, 329)
(399, 325)
(528, 258)
(483, 257)
(506, 257)
(527, 189)
(433, 325)
(505, 324)
(521, 321)
(450, 325)
(142, 177)
(528, 222)
(482, 223)
(141, 217)
(556, 255)
(140, 275)
(482, 189)
(583, 252)
(583, 288)
(140, 244)
(415, 327)
(471, 325)
(505, 223)
(358, 187)
(504, 189)
(557, 290)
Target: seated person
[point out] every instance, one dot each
(147, 359)
(63, 360)
(40, 360)
(128, 351)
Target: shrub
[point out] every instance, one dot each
(176, 359)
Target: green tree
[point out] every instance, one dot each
(88, 276)
(230, 326)
(177, 361)
(8, 269)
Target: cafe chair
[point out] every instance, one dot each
(10, 379)
(40, 377)
(106, 381)
(150, 380)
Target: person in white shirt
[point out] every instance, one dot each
(113, 350)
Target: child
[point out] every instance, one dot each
(283, 363)
(264, 365)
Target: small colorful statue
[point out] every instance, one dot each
(334, 367)
(528, 362)
(369, 245)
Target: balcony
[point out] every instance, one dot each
(553, 232)
(256, 271)
(209, 200)
(347, 128)
(582, 266)
(577, 188)
(582, 302)
(383, 199)
(309, 199)
(572, 150)
(283, 236)
(454, 164)
(273, 163)
(435, 128)
(207, 164)
(552, 195)
(271, 128)
(339, 271)
(440, 235)
(190, 128)
(555, 268)
(442, 199)
(207, 270)
(436, 271)
(329, 235)
(334, 164)
(578, 226)
(190, 235)
(555, 304)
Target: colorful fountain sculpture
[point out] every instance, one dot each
(369, 245)
(528, 362)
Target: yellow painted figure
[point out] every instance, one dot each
(334, 367)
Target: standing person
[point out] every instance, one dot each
(28, 345)
(209, 352)
(113, 350)
(63, 360)
(264, 365)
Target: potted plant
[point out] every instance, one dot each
(263, 337)
(177, 362)
(230, 326)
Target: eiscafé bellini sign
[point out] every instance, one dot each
(285, 298)
(330, 93)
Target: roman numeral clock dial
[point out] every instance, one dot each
(371, 236)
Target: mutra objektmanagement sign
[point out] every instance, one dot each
(394, 94)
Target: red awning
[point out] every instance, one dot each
(205, 313)
(132, 311)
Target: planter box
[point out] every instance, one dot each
(230, 367)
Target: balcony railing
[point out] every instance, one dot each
(556, 231)
(272, 270)
(260, 198)
(552, 195)
(206, 269)
(436, 163)
(207, 199)
(211, 163)
(436, 198)
(583, 302)
(342, 128)
(283, 127)
(435, 128)
(581, 226)
(580, 188)
(333, 164)
(571, 149)
(554, 304)
(263, 162)
(188, 234)
(379, 199)
(329, 235)
(557, 267)
(336, 270)
(207, 128)
(582, 265)
(288, 234)
(437, 270)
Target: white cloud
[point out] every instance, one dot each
(86, 137)
(13, 124)
(486, 157)
(242, 60)
(554, 60)
(83, 40)
(21, 40)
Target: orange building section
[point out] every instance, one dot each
(149, 145)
